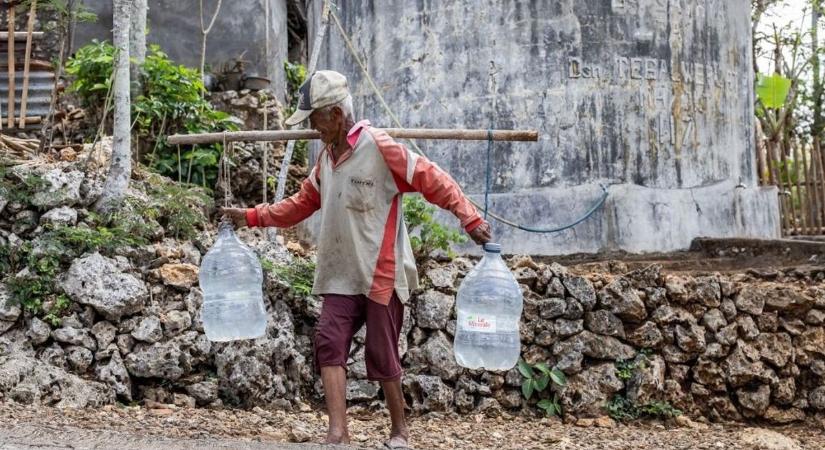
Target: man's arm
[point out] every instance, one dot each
(283, 214)
(416, 173)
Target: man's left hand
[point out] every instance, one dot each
(481, 234)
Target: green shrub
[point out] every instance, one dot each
(536, 379)
(299, 274)
(179, 208)
(418, 215)
(622, 409)
(91, 68)
(171, 102)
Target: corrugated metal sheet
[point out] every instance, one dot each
(41, 84)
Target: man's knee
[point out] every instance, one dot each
(330, 349)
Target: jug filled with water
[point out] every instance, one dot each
(488, 305)
(232, 282)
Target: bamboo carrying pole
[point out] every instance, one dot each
(4, 35)
(10, 106)
(400, 133)
(24, 101)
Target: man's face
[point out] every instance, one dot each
(329, 124)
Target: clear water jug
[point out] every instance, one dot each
(232, 282)
(488, 307)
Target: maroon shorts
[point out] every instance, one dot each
(342, 316)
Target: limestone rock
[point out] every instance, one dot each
(204, 392)
(182, 275)
(27, 379)
(79, 358)
(691, 338)
(433, 309)
(713, 320)
(438, 352)
(582, 290)
(782, 416)
(747, 327)
(148, 330)
(604, 322)
(815, 317)
(565, 328)
(750, 300)
(443, 277)
(743, 367)
(787, 300)
(619, 298)
(96, 281)
(360, 390)
(666, 315)
(762, 439)
(784, 391)
(429, 393)
(170, 359)
(38, 331)
(114, 374)
(74, 336)
(775, 348)
(647, 383)
(104, 332)
(552, 308)
(816, 398)
(9, 310)
(175, 322)
(60, 188)
(812, 341)
(60, 216)
(573, 310)
(646, 335)
(595, 346)
(586, 393)
(755, 400)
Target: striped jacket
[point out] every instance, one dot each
(363, 246)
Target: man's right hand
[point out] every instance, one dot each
(236, 215)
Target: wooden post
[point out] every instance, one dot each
(10, 107)
(810, 196)
(25, 99)
(400, 133)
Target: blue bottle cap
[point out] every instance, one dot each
(492, 248)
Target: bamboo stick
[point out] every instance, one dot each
(785, 187)
(10, 107)
(401, 133)
(20, 35)
(803, 211)
(810, 195)
(817, 157)
(24, 101)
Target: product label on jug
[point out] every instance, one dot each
(479, 323)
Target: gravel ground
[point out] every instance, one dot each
(172, 428)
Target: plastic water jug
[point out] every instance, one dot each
(232, 282)
(489, 309)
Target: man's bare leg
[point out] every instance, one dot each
(335, 385)
(399, 434)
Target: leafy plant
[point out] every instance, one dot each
(296, 74)
(772, 90)
(171, 102)
(91, 68)
(180, 208)
(431, 235)
(536, 379)
(622, 409)
(625, 368)
(299, 275)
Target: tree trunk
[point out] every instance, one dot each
(137, 42)
(120, 168)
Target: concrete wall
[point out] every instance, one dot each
(653, 97)
(240, 27)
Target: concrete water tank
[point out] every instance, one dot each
(651, 97)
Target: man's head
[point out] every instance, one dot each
(325, 100)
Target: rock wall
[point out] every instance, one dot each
(652, 97)
(717, 346)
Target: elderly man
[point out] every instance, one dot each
(365, 268)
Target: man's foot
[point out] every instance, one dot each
(397, 442)
(337, 438)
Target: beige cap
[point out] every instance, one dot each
(322, 88)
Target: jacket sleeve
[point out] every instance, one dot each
(290, 211)
(416, 173)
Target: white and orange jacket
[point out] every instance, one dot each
(363, 246)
